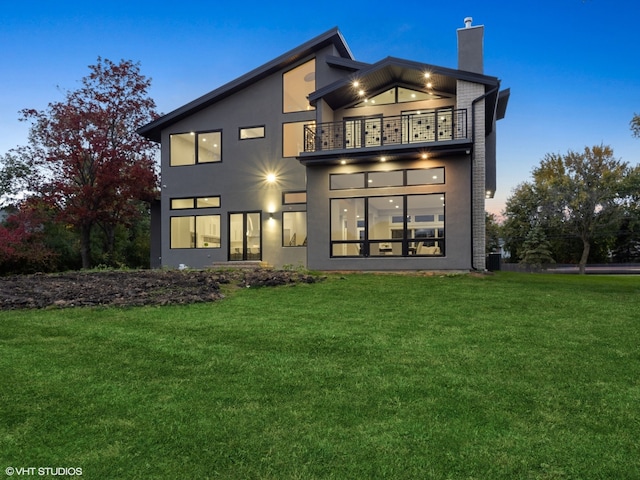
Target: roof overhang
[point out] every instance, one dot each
(153, 130)
(390, 71)
(503, 100)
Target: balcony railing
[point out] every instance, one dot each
(431, 126)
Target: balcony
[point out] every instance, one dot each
(429, 127)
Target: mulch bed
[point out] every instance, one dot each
(133, 288)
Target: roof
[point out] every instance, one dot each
(378, 76)
(153, 130)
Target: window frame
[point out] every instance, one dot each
(293, 192)
(194, 241)
(309, 108)
(409, 244)
(194, 202)
(196, 148)
(405, 178)
(240, 129)
(302, 123)
(304, 244)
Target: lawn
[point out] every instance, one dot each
(507, 376)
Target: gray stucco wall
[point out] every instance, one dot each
(240, 179)
(457, 216)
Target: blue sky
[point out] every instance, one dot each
(573, 66)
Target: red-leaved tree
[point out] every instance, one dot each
(22, 241)
(98, 167)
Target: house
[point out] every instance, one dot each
(317, 159)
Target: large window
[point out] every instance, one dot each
(294, 229)
(202, 231)
(397, 225)
(393, 178)
(297, 84)
(293, 138)
(191, 148)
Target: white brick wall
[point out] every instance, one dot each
(467, 92)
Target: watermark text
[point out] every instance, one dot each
(43, 471)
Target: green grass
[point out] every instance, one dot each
(510, 376)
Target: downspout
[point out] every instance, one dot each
(473, 144)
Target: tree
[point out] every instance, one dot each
(523, 212)
(22, 240)
(577, 195)
(493, 233)
(18, 175)
(98, 167)
(536, 249)
(627, 243)
(635, 125)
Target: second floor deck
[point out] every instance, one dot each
(441, 125)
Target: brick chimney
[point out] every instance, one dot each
(471, 47)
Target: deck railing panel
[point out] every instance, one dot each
(432, 126)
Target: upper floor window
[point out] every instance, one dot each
(196, 147)
(399, 95)
(247, 133)
(297, 84)
(293, 138)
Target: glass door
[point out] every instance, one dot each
(245, 236)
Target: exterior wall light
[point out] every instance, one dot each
(271, 177)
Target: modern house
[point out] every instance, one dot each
(319, 160)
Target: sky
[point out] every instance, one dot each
(573, 66)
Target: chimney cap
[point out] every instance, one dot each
(467, 22)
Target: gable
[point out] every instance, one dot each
(391, 72)
(332, 37)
